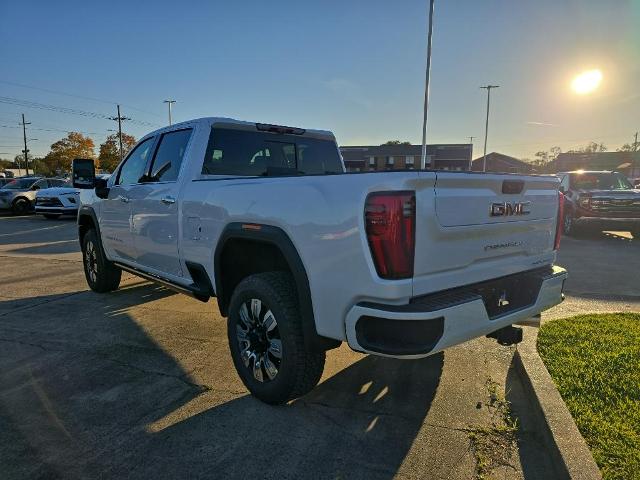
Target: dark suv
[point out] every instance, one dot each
(600, 198)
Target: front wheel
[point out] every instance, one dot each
(102, 275)
(266, 340)
(20, 206)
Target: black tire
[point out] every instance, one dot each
(298, 370)
(51, 216)
(102, 275)
(20, 206)
(569, 228)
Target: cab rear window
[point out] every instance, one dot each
(257, 153)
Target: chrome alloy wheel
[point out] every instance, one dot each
(259, 340)
(91, 261)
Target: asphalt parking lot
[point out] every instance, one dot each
(139, 382)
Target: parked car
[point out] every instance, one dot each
(4, 181)
(303, 256)
(54, 202)
(19, 195)
(602, 199)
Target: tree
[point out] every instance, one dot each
(74, 145)
(395, 142)
(591, 147)
(4, 164)
(109, 157)
(629, 147)
(18, 162)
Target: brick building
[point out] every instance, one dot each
(399, 157)
(500, 163)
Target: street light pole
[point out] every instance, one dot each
(423, 158)
(170, 102)
(486, 125)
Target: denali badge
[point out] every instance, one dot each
(506, 209)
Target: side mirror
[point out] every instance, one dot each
(102, 190)
(84, 173)
(561, 189)
(35, 187)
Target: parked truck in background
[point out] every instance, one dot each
(601, 199)
(302, 256)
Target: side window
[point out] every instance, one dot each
(564, 182)
(133, 167)
(168, 159)
(40, 184)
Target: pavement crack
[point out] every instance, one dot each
(201, 387)
(20, 342)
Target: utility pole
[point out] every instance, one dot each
(170, 102)
(423, 158)
(471, 152)
(634, 161)
(119, 119)
(486, 125)
(26, 150)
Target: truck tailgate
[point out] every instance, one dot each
(484, 226)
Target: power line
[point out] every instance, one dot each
(70, 111)
(58, 92)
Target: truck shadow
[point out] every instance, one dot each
(86, 392)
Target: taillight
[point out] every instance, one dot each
(560, 222)
(390, 219)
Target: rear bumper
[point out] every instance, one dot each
(430, 324)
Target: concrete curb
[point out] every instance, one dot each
(569, 450)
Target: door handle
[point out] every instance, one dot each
(168, 200)
(123, 199)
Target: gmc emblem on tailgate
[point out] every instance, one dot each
(507, 209)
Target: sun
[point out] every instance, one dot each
(587, 82)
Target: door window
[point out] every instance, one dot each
(40, 184)
(168, 159)
(133, 167)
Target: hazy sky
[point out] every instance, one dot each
(354, 67)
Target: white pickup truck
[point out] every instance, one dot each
(302, 256)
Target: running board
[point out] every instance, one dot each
(192, 290)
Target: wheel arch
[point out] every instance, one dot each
(87, 220)
(253, 248)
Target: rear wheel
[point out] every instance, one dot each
(266, 341)
(101, 274)
(52, 216)
(20, 206)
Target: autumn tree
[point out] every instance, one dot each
(591, 147)
(74, 145)
(109, 156)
